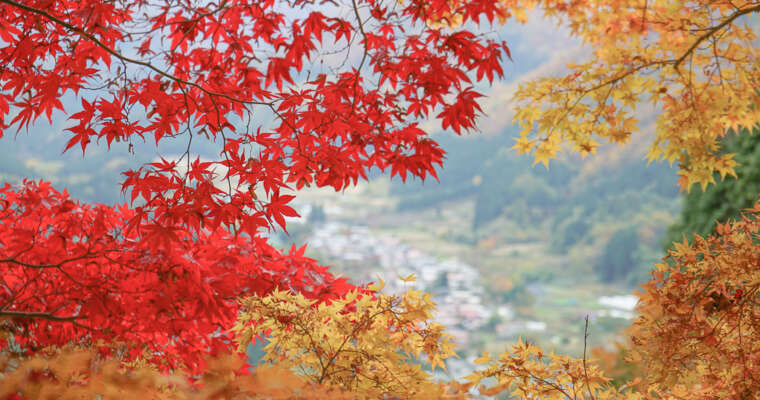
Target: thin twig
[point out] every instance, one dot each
(585, 371)
(364, 55)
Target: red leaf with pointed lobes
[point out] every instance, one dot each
(342, 30)
(462, 113)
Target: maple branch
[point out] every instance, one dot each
(124, 58)
(307, 331)
(364, 55)
(194, 20)
(45, 266)
(711, 32)
(548, 383)
(620, 77)
(360, 23)
(42, 315)
(365, 320)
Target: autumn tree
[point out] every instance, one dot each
(694, 61)
(72, 272)
(293, 93)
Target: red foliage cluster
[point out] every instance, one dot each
(294, 93)
(72, 273)
(219, 71)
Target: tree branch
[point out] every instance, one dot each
(711, 32)
(585, 370)
(364, 54)
(38, 315)
(124, 58)
(45, 266)
(46, 316)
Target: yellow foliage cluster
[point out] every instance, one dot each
(361, 343)
(696, 61)
(374, 345)
(526, 372)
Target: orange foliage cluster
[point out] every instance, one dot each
(700, 315)
(79, 373)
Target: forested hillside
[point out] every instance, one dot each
(608, 211)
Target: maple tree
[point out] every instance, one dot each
(693, 339)
(695, 61)
(293, 93)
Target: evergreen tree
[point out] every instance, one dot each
(725, 199)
